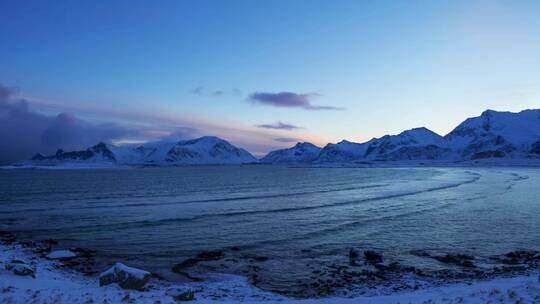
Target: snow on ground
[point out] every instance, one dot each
(55, 284)
(61, 254)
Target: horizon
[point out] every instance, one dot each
(129, 72)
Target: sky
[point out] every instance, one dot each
(261, 74)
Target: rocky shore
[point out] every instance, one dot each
(38, 271)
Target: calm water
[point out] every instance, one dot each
(155, 217)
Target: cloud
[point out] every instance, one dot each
(279, 126)
(202, 91)
(286, 139)
(24, 132)
(289, 100)
(183, 133)
(197, 91)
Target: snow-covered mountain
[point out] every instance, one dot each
(99, 153)
(200, 151)
(417, 143)
(300, 153)
(491, 135)
(344, 151)
(497, 134)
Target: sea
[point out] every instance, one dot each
(283, 227)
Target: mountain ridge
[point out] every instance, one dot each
(493, 134)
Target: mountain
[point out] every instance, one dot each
(300, 153)
(344, 151)
(99, 153)
(200, 151)
(207, 150)
(418, 143)
(497, 134)
(414, 144)
(491, 135)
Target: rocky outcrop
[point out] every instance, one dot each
(126, 277)
(20, 267)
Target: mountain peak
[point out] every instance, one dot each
(301, 152)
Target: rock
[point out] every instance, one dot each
(210, 255)
(203, 256)
(126, 277)
(87, 253)
(521, 254)
(21, 269)
(186, 296)
(8, 239)
(353, 254)
(260, 258)
(61, 255)
(373, 256)
(420, 253)
(457, 259)
(181, 295)
(50, 242)
(19, 261)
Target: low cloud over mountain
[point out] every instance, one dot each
(23, 131)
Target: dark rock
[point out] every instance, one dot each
(521, 254)
(201, 257)
(260, 258)
(83, 252)
(8, 239)
(210, 255)
(372, 256)
(21, 269)
(456, 259)
(353, 254)
(184, 296)
(420, 253)
(50, 242)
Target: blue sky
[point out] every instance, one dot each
(170, 66)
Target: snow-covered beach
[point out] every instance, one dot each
(54, 283)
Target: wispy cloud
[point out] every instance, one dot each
(289, 100)
(202, 91)
(286, 139)
(279, 126)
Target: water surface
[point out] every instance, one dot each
(297, 217)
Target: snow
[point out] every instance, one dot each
(55, 284)
(200, 151)
(61, 254)
(343, 151)
(518, 128)
(300, 153)
(119, 267)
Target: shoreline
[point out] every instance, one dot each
(483, 163)
(56, 281)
